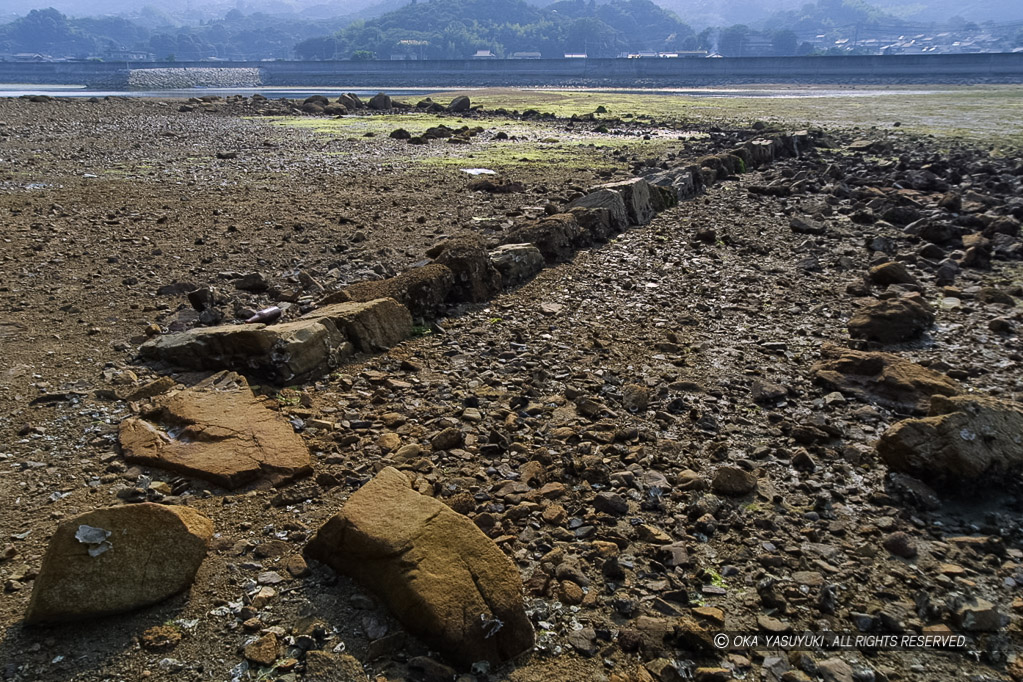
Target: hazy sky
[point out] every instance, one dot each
(697, 12)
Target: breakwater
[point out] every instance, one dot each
(664, 73)
(171, 78)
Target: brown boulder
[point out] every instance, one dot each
(965, 438)
(445, 580)
(891, 273)
(459, 104)
(350, 101)
(421, 290)
(733, 481)
(380, 101)
(123, 558)
(219, 432)
(893, 320)
(476, 278)
(882, 378)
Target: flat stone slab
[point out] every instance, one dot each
(117, 560)
(883, 378)
(443, 578)
(282, 352)
(221, 433)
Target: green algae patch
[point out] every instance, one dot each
(504, 156)
(971, 114)
(532, 142)
(594, 152)
(382, 125)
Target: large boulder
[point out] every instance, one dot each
(517, 262)
(459, 104)
(370, 326)
(555, 236)
(421, 290)
(662, 198)
(635, 192)
(965, 438)
(219, 432)
(350, 101)
(595, 224)
(892, 320)
(882, 378)
(117, 560)
(281, 352)
(309, 346)
(380, 101)
(611, 201)
(761, 152)
(476, 278)
(446, 581)
(678, 182)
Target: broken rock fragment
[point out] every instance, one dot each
(219, 432)
(117, 560)
(445, 580)
(555, 236)
(609, 201)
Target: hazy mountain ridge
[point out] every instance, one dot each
(697, 13)
(456, 29)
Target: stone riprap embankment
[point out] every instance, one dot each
(462, 270)
(177, 78)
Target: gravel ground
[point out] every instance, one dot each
(599, 403)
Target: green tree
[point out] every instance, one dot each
(592, 37)
(733, 40)
(324, 47)
(784, 43)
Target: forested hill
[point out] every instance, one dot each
(236, 36)
(455, 29)
(458, 29)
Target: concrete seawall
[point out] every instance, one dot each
(962, 68)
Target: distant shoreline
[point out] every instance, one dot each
(646, 74)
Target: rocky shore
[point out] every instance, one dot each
(286, 405)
